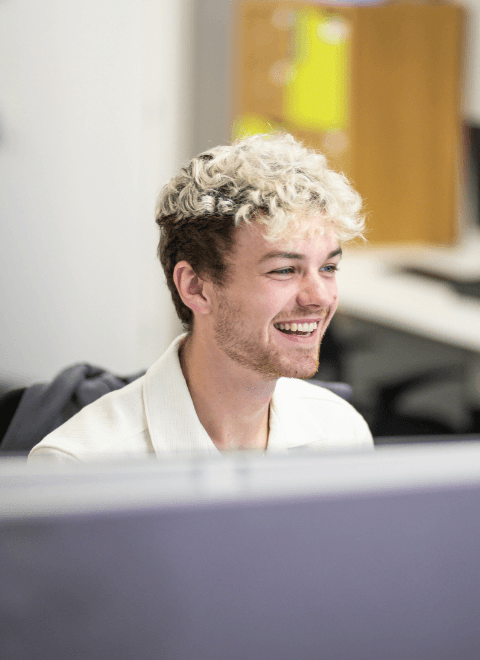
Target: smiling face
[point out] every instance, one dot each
(272, 284)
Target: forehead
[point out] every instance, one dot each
(251, 242)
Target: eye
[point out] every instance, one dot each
(283, 271)
(331, 268)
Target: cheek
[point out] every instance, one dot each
(274, 300)
(335, 292)
(334, 303)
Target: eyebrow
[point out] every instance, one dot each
(294, 255)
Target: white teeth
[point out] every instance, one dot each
(297, 327)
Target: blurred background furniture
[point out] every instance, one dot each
(404, 385)
(415, 324)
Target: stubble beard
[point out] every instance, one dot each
(233, 338)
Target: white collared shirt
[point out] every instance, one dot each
(155, 415)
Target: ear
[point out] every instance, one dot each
(194, 292)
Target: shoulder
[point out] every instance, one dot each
(327, 420)
(115, 422)
(301, 390)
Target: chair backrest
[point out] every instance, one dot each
(30, 414)
(342, 389)
(9, 403)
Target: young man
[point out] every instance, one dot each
(250, 239)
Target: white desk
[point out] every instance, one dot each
(372, 288)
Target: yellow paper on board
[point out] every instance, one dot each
(251, 125)
(317, 95)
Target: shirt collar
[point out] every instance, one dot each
(171, 417)
(286, 428)
(172, 420)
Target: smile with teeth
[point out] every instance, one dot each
(304, 329)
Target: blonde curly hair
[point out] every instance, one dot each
(270, 179)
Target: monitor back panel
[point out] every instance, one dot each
(365, 577)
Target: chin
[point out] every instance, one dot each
(303, 372)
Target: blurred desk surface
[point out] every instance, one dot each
(372, 287)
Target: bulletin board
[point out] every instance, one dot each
(377, 88)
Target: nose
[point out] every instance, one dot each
(318, 290)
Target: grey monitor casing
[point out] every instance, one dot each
(337, 573)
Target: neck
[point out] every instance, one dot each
(232, 404)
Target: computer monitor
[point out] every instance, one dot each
(363, 556)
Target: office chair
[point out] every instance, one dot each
(28, 414)
(388, 421)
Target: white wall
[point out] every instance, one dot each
(93, 119)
